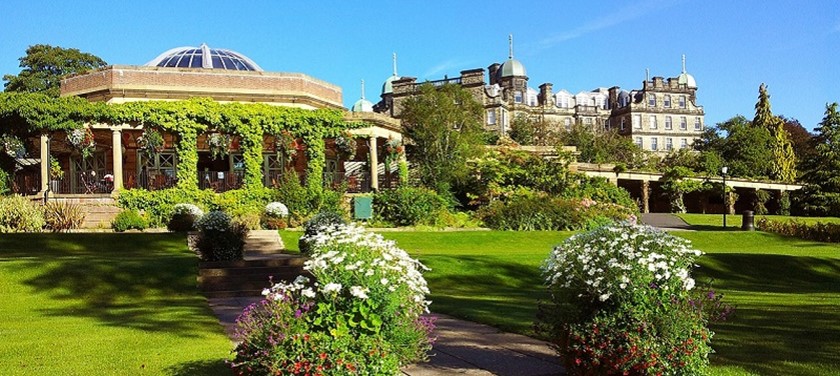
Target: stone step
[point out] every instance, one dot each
(275, 261)
(233, 272)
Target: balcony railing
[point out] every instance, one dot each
(27, 183)
(154, 181)
(220, 181)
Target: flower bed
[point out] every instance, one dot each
(621, 304)
(361, 315)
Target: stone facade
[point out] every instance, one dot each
(661, 116)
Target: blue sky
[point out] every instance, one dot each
(731, 46)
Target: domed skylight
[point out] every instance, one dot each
(204, 57)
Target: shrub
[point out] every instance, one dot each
(530, 211)
(601, 190)
(621, 304)
(408, 206)
(820, 231)
(316, 225)
(361, 316)
(220, 239)
(63, 216)
(158, 205)
(19, 214)
(184, 217)
(276, 209)
(129, 220)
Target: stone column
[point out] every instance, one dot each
(45, 162)
(645, 196)
(374, 164)
(117, 158)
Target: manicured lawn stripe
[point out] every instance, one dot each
(105, 304)
(786, 290)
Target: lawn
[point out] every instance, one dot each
(787, 291)
(105, 304)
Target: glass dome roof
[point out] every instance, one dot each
(204, 57)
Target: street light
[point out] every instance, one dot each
(723, 172)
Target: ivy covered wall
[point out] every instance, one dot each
(25, 115)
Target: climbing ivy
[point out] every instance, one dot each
(29, 114)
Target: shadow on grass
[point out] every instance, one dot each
(140, 281)
(491, 290)
(201, 367)
(771, 273)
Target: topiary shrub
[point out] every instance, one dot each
(361, 316)
(129, 220)
(408, 206)
(19, 214)
(184, 217)
(219, 238)
(621, 304)
(63, 216)
(317, 224)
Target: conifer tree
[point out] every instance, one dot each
(784, 159)
(822, 192)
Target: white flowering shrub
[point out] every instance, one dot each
(621, 303)
(276, 210)
(219, 238)
(361, 315)
(184, 217)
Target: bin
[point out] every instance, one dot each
(362, 207)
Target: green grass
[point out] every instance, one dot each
(105, 304)
(715, 221)
(786, 291)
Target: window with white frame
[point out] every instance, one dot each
(654, 143)
(653, 124)
(668, 124)
(683, 123)
(491, 117)
(652, 100)
(567, 123)
(587, 121)
(683, 143)
(682, 101)
(639, 142)
(517, 97)
(669, 143)
(637, 121)
(667, 101)
(697, 125)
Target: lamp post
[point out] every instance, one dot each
(723, 172)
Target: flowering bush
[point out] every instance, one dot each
(12, 146)
(219, 238)
(276, 209)
(184, 217)
(316, 225)
(621, 304)
(360, 316)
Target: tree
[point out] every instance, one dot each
(745, 149)
(44, 66)
(800, 139)
(444, 126)
(784, 159)
(821, 195)
(534, 131)
(602, 146)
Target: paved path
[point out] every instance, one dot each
(665, 221)
(462, 347)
